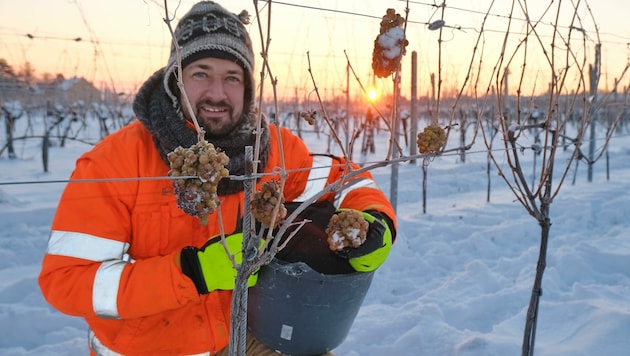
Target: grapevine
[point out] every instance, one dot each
(197, 196)
(389, 45)
(346, 229)
(263, 203)
(431, 140)
(308, 116)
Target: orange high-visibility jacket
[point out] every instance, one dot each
(110, 256)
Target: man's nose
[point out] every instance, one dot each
(215, 91)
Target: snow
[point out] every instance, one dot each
(391, 42)
(13, 108)
(458, 281)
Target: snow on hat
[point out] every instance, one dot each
(209, 30)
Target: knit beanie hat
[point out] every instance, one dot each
(209, 30)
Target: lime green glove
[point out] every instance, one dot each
(210, 268)
(378, 242)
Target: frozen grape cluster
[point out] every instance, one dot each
(203, 166)
(265, 201)
(308, 116)
(431, 139)
(389, 45)
(347, 228)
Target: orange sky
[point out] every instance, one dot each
(124, 41)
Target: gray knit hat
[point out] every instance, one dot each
(209, 30)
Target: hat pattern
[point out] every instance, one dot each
(209, 30)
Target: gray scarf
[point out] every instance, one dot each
(164, 120)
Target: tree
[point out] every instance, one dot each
(564, 55)
(5, 69)
(27, 74)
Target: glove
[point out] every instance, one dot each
(210, 268)
(378, 242)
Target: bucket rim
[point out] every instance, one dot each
(303, 270)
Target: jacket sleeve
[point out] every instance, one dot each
(87, 269)
(359, 192)
(351, 191)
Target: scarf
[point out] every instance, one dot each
(164, 120)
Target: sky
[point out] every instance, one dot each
(457, 282)
(124, 41)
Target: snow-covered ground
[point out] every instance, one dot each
(458, 281)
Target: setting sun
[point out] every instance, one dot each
(372, 94)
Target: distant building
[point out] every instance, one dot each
(11, 89)
(60, 91)
(77, 89)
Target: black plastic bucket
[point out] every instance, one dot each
(298, 311)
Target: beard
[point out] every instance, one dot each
(217, 125)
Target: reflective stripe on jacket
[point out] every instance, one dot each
(111, 251)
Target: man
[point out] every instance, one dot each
(122, 255)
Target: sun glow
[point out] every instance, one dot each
(372, 94)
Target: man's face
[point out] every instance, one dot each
(216, 90)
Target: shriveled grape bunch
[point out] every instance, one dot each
(263, 203)
(198, 196)
(308, 116)
(348, 228)
(389, 45)
(431, 139)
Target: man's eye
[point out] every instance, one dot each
(233, 79)
(199, 75)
